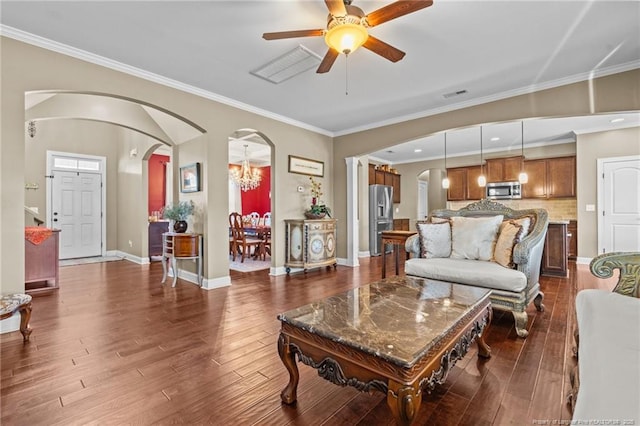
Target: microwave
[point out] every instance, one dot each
(504, 190)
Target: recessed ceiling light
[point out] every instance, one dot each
(390, 152)
(617, 120)
(417, 150)
(494, 139)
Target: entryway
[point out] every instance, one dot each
(76, 196)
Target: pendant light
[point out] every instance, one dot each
(482, 181)
(445, 181)
(522, 177)
(245, 177)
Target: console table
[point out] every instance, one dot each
(180, 246)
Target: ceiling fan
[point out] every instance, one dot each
(347, 29)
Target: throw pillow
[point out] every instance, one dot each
(435, 239)
(525, 222)
(474, 237)
(509, 235)
(436, 219)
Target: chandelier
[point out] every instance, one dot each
(245, 177)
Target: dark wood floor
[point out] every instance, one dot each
(113, 346)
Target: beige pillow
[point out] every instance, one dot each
(435, 239)
(474, 237)
(509, 235)
(436, 219)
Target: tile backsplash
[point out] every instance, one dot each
(562, 209)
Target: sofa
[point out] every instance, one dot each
(606, 380)
(514, 283)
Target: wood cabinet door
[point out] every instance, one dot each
(572, 236)
(380, 177)
(457, 184)
(512, 167)
(554, 254)
(474, 191)
(561, 177)
(372, 174)
(536, 187)
(495, 170)
(395, 183)
(388, 179)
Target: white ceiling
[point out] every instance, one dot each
(491, 49)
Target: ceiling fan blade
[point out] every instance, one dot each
(383, 49)
(292, 34)
(328, 61)
(395, 10)
(336, 7)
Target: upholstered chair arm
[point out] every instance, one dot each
(628, 263)
(412, 245)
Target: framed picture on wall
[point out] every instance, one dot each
(190, 178)
(305, 166)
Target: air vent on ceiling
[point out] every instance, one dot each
(288, 65)
(452, 94)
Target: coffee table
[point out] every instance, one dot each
(400, 336)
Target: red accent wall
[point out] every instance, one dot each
(157, 176)
(257, 200)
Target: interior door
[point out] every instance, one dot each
(76, 209)
(621, 205)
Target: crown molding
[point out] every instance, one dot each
(67, 50)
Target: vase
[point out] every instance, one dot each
(180, 226)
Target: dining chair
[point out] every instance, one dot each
(267, 219)
(266, 245)
(241, 243)
(255, 218)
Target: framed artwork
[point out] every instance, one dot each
(190, 178)
(305, 166)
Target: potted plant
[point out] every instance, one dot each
(317, 210)
(179, 212)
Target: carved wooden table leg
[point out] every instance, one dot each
(404, 401)
(289, 393)
(25, 316)
(484, 350)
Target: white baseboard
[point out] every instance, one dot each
(10, 324)
(129, 257)
(345, 262)
(210, 284)
(278, 270)
(364, 253)
(583, 260)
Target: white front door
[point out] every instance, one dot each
(423, 209)
(620, 205)
(76, 209)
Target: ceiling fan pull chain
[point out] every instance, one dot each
(346, 74)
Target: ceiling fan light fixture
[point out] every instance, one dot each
(345, 37)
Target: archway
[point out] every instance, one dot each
(251, 194)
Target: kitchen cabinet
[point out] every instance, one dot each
(561, 177)
(572, 235)
(474, 191)
(550, 178)
(400, 224)
(156, 229)
(536, 187)
(457, 184)
(555, 254)
(463, 184)
(382, 177)
(310, 243)
(503, 169)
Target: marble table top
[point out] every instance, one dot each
(398, 319)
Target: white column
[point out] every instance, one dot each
(352, 212)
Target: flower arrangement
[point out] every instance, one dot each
(317, 210)
(178, 211)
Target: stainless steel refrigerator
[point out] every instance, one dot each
(380, 215)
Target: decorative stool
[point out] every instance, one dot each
(10, 303)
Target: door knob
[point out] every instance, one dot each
(55, 213)
(55, 220)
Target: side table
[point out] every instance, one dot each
(398, 239)
(180, 246)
